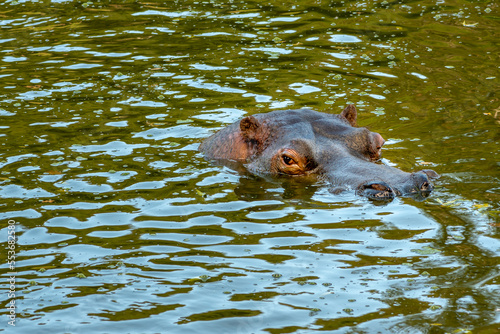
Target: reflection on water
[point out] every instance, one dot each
(123, 227)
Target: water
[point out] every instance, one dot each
(123, 227)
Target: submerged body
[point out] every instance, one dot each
(306, 142)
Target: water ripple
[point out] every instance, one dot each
(123, 226)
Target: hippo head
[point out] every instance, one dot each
(306, 142)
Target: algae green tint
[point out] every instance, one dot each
(122, 226)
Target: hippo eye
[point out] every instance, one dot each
(288, 161)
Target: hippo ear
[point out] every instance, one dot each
(350, 114)
(249, 127)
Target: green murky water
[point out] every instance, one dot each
(123, 227)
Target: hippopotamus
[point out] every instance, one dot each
(306, 142)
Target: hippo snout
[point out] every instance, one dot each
(418, 183)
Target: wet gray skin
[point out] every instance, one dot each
(306, 142)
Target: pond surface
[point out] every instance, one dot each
(123, 227)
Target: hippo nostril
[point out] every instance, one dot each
(422, 182)
(376, 190)
(377, 186)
